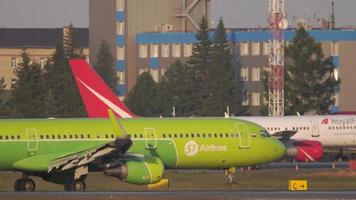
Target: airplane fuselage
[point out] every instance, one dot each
(179, 143)
(330, 130)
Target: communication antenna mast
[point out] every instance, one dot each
(277, 25)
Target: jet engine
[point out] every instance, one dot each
(305, 150)
(138, 170)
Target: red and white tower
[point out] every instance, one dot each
(277, 24)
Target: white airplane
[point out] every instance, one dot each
(307, 135)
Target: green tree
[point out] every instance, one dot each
(2, 87)
(198, 64)
(224, 86)
(141, 98)
(71, 45)
(309, 81)
(63, 99)
(105, 65)
(173, 89)
(27, 92)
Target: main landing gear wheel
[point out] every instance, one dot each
(75, 186)
(25, 185)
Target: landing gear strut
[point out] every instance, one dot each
(25, 184)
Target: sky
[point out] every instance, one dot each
(236, 13)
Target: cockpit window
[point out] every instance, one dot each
(264, 133)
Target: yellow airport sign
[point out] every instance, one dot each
(296, 185)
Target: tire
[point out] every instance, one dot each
(75, 186)
(29, 185)
(18, 185)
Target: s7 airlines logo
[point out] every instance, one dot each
(325, 121)
(192, 148)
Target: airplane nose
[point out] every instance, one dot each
(279, 150)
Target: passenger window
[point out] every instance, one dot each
(112, 136)
(53, 137)
(198, 135)
(175, 135)
(106, 136)
(181, 135)
(59, 136)
(76, 136)
(70, 136)
(192, 135)
(226, 135)
(65, 136)
(88, 136)
(164, 135)
(209, 135)
(18, 137)
(215, 135)
(221, 135)
(169, 135)
(12, 137)
(237, 135)
(187, 135)
(141, 136)
(231, 135)
(204, 135)
(47, 137)
(41, 137)
(0, 137)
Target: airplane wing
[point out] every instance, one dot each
(284, 135)
(119, 147)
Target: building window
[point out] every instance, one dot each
(255, 98)
(120, 5)
(246, 99)
(165, 50)
(120, 53)
(334, 49)
(143, 51)
(154, 74)
(43, 62)
(163, 72)
(154, 50)
(244, 73)
(255, 48)
(176, 50)
(121, 77)
(14, 64)
(187, 50)
(265, 48)
(120, 28)
(337, 100)
(244, 48)
(256, 74)
(336, 74)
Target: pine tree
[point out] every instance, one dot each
(27, 92)
(309, 81)
(141, 98)
(173, 89)
(61, 88)
(198, 64)
(71, 46)
(105, 65)
(223, 85)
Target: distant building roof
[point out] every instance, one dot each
(38, 37)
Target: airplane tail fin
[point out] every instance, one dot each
(95, 93)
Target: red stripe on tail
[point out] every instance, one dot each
(95, 93)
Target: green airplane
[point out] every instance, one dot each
(135, 150)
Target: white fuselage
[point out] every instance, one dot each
(330, 130)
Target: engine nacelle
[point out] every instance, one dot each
(305, 150)
(138, 170)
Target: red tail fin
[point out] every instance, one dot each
(95, 93)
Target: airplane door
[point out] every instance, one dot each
(32, 141)
(245, 142)
(315, 128)
(151, 138)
